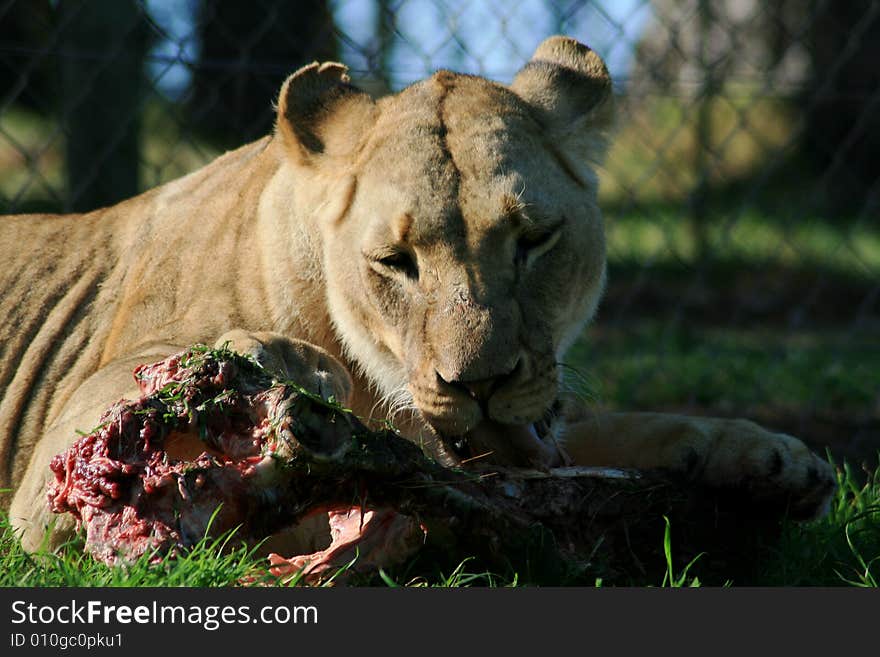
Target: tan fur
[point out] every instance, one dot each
(442, 246)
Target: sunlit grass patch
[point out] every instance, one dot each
(220, 561)
(657, 235)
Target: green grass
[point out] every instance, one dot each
(841, 549)
(212, 562)
(654, 364)
(671, 578)
(459, 577)
(655, 235)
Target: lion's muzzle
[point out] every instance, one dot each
(504, 419)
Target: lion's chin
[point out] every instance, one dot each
(518, 445)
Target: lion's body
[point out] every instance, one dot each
(444, 245)
(82, 291)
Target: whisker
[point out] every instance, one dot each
(395, 403)
(581, 386)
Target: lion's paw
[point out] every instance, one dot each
(772, 467)
(295, 360)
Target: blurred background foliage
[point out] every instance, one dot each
(741, 194)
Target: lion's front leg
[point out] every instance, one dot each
(716, 452)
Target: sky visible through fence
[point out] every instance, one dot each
(480, 37)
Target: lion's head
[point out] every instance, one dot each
(463, 248)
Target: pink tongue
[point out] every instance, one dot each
(513, 444)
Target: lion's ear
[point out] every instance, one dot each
(320, 113)
(569, 86)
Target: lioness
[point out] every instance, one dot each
(431, 254)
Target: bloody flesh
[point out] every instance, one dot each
(204, 450)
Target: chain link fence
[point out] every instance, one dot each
(741, 194)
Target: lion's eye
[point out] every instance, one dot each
(529, 247)
(398, 262)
